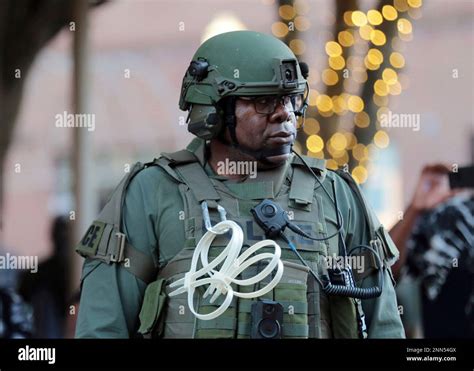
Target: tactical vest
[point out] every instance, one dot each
(308, 311)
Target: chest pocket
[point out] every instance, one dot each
(291, 293)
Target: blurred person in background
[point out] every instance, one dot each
(16, 320)
(436, 243)
(47, 289)
(16, 317)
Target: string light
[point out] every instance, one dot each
(279, 29)
(377, 37)
(330, 77)
(366, 31)
(381, 139)
(358, 18)
(297, 46)
(389, 12)
(365, 37)
(302, 23)
(401, 5)
(333, 49)
(337, 63)
(374, 17)
(315, 143)
(415, 3)
(348, 18)
(324, 103)
(375, 56)
(360, 174)
(362, 119)
(397, 60)
(355, 103)
(345, 38)
(287, 12)
(311, 126)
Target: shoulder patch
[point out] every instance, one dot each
(90, 242)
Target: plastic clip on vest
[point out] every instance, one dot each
(233, 265)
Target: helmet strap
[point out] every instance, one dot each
(230, 120)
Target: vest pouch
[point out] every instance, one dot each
(291, 293)
(177, 320)
(387, 251)
(222, 327)
(151, 313)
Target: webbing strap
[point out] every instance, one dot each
(139, 264)
(314, 163)
(289, 329)
(198, 182)
(110, 244)
(190, 171)
(252, 191)
(295, 330)
(297, 307)
(355, 188)
(220, 323)
(302, 186)
(183, 156)
(175, 267)
(303, 182)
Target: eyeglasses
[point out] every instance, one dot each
(267, 104)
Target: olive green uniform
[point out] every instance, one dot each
(153, 223)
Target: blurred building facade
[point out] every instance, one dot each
(140, 50)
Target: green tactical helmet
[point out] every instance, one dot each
(240, 63)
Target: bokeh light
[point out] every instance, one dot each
(360, 174)
(377, 37)
(381, 139)
(397, 60)
(345, 38)
(279, 29)
(324, 103)
(359, 18)
(329, 77)
(315, 143)
(298, 46)
(286, 12)
(355, 103)
(374, 17)
(389, 12)
(361, 119)
(375, 56)
(337, 63)
(333, 49)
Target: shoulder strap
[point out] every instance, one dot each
(185, 167)
(303, 182)
(379, 238)
(105, 241)
(356, 190)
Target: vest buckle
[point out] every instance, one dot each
(118, 257)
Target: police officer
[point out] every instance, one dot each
(244, 91)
